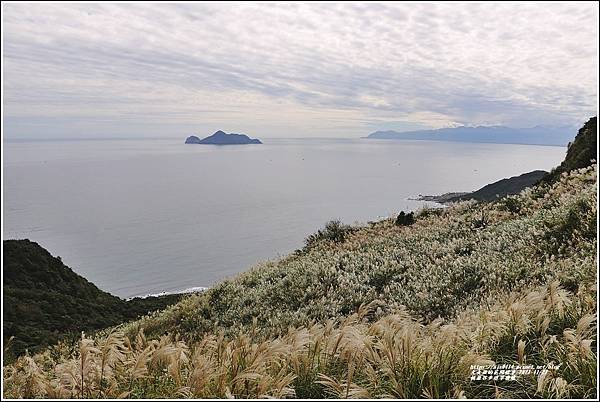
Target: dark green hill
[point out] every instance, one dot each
(44, 300)
(493, 191)
(581, 151)
(504, 187)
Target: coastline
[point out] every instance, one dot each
(443, 199)
(196, 289)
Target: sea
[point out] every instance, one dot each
(151, 216)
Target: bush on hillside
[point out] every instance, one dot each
(405, 219)
(334, 231)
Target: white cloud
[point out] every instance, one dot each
(294, 68)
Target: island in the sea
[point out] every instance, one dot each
(222, 138)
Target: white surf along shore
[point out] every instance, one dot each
(197, 289)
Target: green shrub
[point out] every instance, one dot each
(480, 221)
(426, 212)
(334, 231)
(405, 219)
(510, 204)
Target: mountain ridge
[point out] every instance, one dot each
(538, 135)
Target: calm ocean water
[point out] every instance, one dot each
(139, 217)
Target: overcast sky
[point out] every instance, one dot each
(294, 70)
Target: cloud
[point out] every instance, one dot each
(296, 69)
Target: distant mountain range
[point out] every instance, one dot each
(222, 138)
(538, 135)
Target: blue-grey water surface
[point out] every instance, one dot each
(138, 217)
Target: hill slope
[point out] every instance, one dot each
(581, 151)
(44, 300)
(493, 191)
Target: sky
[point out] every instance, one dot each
(104, 70)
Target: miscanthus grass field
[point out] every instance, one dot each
(381, 310)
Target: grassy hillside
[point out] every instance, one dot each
(44, 300)
(372, 311)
